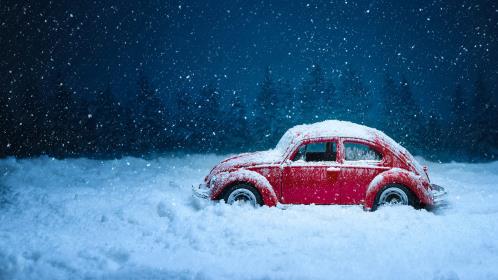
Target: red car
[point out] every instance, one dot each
(330, 162)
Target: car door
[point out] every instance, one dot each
(311, 174)
(362, 162)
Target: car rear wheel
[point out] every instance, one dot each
(394, 195)
(243, 194)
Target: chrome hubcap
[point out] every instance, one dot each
(393, 196)
(242, 197)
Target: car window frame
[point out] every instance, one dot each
(379, 149)
(293, 153)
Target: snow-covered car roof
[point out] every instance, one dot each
(336, 128)
(332, 128)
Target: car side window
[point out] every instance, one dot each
(357, 151)
(313, 152)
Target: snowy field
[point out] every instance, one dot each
(136, 219)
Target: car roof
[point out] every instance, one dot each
(344, 129)
(335, 128)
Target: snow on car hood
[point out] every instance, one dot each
(248, 159)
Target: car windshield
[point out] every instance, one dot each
(285, 142)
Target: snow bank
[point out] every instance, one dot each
(136, 219)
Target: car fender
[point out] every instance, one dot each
(226, 179)
(397, 176)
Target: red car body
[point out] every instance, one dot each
(333, 175)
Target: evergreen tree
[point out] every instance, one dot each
(183, 124)
(433, 136)
(285, 111)
(400, 115)
(264, 122)
(209, 120)
(150, 117)
(409, 117)
(389, 103)
(238, 126)
(483, 109)
(88, 128)
(130, 129)
(317, 96)
(121, 126)
(62, 120)
(107, 122)
(297, 106)
(353, 103)
(81, 135)
(28, 119)
(458, 132)
(6, 123)
(44, 106)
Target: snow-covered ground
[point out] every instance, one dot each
(136, 219)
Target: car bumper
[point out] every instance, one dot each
(201, 191)
(439, 195)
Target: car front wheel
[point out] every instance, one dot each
(393, 195)
(243, 194)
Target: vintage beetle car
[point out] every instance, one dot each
(330, 162)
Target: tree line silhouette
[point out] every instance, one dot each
(62, 123)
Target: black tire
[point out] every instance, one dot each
(394, 190)
(243, 190)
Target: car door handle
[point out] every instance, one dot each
(333, 169)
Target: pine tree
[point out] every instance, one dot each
(264, 121)
(238, 126)
(62, 121)
(29, 119)
(483, 109)
(183, 124)
(389, 103)
(6, 123)
(317, 96)
(209, 120)
(106, 116)
(80, 116)
(121, 127)
(285, 111)
(459, 138)
(409, 117)
(432, 136)
(353, 103)
(130, 130)
(150, 117)
(87, 128)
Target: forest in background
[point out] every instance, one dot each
(56, 120)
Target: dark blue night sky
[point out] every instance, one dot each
(183, 46)
(435, 43)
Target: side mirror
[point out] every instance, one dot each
(426, 170)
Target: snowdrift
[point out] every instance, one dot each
(136, 219)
